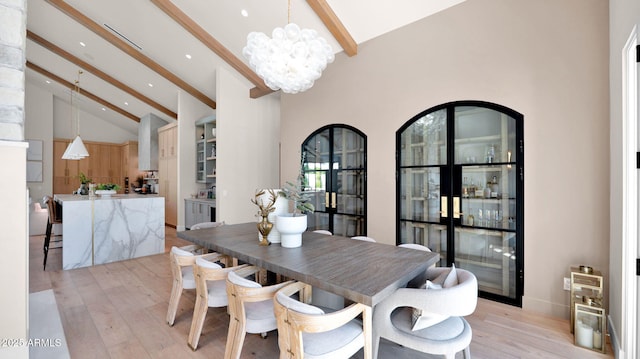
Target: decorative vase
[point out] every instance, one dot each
(264, 227)
(281, 206)
(291, 228)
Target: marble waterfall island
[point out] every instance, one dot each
(102, 230)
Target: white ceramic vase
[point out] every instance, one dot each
(291, 229)
(282, 205)
(105, 193)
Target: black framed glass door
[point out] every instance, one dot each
(335, 171)
(461, 189)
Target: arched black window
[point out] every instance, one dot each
(335, 169)
(460, 191)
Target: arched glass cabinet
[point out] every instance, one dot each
(460, 191)
(335, 170)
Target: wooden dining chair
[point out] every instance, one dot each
(182, 260)
(306, 331)
(211, 291)
(250, 309)
(54, 218)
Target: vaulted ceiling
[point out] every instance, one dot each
(134, 54)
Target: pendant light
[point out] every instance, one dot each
(291, 60)
(76, 149)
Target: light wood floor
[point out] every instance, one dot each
(118, 310)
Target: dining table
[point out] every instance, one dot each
(360, 271)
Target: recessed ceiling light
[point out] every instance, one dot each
(47, 81)
(126, 103)
(83, 44)
(104, 109)
(150, 84)
(188, 56)
(244, 13)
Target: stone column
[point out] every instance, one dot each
(14, 245)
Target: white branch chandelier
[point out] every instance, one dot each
(289, 61)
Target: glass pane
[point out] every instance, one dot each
(433, 236)
(420, 194)
(350, 192)
(348, 149)
(348, 226)
(424, 142)
(317, 152)
(484, 136)
(490, 255)
(316, 182)
(489, 196)
(317, 220)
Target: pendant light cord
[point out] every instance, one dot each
(77, 114)
(289, 13)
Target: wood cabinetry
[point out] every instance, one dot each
(168, 171)
(129, 162)
(104, 165)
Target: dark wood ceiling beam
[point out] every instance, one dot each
(214, 45)
(97, 72)
(84, 93)
(129, 50)
(334, 25)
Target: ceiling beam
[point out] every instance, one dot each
(90, 68)
(214, 45)
(84, 93)
(129, 50)
(334, 25)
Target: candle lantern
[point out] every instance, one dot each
(589, 327)
(585, 283)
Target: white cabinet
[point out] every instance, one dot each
(168, 171)
(198, 211)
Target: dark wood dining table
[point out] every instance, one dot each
(363, 272)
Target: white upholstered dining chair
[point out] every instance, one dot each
(250, 309)
(206, 225)
(306, 331)
(363, 238)
(427, 319)
(211, 292)
(323, 231)
(182, 260)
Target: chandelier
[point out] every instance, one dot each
(291, 60)
(76, 149)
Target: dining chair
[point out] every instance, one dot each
(429, 320)
(417, 246)
(182, 260)
(54, 218)
(323, 231)
(364, 238)
(206, 225)
(250, 309)
(420, 279)
(306, 331)
(211, 292)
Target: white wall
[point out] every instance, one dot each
(623, 16)
(247, 152)
(545, 59)
(38, 125)
(189, 111)
(92, 128)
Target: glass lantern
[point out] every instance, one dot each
(589, 328)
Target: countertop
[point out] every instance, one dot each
(75, 197)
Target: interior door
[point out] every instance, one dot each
(460, 191)
(335, 173)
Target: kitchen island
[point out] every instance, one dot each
(101, 230)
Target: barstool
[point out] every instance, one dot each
(54, 218)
